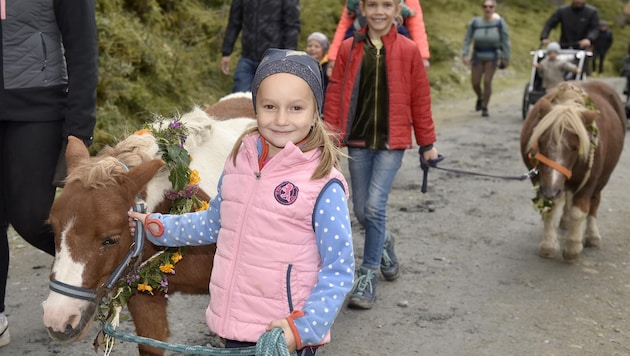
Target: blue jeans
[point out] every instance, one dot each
(372, 174)
(244, 74)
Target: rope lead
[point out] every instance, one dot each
(271, 343)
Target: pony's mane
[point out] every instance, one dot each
(563, 117)
(112, 162)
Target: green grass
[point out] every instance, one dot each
(162, 56)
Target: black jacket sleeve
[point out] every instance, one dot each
(234, 27)
(77, 22)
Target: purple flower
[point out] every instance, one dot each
(175, 125)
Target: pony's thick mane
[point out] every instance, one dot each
(113, 162)
(563, 117)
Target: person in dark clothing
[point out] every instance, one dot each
(262, 24)
(579, 25)
(48, 78)
(601, 45)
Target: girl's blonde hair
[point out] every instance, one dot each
(319, 137)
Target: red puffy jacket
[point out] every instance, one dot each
(408, 87)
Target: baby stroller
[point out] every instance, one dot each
(534, 89)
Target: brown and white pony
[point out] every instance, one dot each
(91, 227)
(573, 136)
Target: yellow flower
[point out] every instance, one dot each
(143, 287)
(167, 268)
(204, 205)
(143, 132)
(194, 177)
(176, 257)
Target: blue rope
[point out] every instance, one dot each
(271, 343)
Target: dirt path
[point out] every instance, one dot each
(471, 284)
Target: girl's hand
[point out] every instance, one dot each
(288, 333)
(133, 217)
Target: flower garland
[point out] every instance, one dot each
(151, 277)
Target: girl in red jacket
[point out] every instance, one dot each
(378, 95)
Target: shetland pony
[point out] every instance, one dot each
(91, 226)
(573, 136)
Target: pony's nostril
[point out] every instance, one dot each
(68, 328)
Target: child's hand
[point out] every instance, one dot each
(430, 154)
(288, 333)
(133, 217)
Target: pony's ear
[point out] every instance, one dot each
(544, 106)
(75, 153)
(590, 116)
(138, 177)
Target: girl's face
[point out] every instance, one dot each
(286, 108)
(380, 15)
(315, 50)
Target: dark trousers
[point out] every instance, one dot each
(28, 157)
(232, 344)
(598, 67)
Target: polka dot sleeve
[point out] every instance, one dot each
(334, 237)
(191, 229)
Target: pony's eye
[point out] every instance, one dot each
(110, 240)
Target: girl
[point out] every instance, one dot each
(280, 219)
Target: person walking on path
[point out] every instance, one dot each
(284, 255)
(579, 25)
(378, 97)
(601, 45)
(48, 76)
(490, 40)
(262, 24)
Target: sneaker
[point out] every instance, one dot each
(363, 294)
(5, 338)
(484, 112)
(389, 262)
(478, 105)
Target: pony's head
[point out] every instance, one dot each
(560, 139)
(90, 222)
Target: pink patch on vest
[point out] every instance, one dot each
(286, 193)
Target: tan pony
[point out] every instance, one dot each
(573, 136)
(91, 227)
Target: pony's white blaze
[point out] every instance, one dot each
(60, 310)
(557, 178)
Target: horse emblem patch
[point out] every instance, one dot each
(286, 193)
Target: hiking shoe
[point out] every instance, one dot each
(478, 105)
(5, 338)
(484, 112)
(363, 294)
(390, 269)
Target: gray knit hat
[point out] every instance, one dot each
(298, 63)
(319, 37)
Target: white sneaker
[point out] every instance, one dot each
(5, 338)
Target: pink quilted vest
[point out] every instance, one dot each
(267, 260)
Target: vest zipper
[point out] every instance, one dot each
(378, 59)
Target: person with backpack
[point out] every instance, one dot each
(490, 40)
